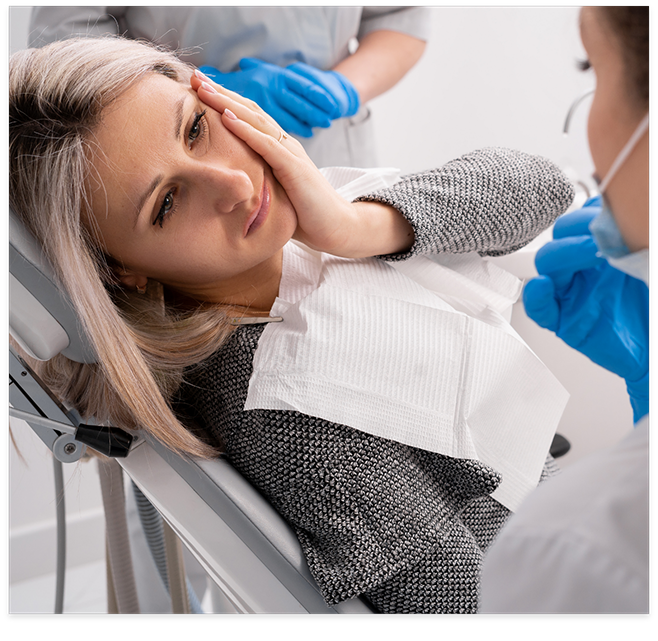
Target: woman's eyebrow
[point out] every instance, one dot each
(178, 127)
(179, 117)
(145, 196)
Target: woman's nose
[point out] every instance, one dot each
(226, 188)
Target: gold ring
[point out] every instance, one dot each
(282, 136)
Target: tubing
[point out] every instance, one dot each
(153, 526)
(118, 543)
(61, 536)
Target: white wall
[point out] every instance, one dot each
(489, 76)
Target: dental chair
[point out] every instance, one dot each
(247, 549)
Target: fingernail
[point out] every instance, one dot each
(200, 75)
(229, 114)
(208, 88)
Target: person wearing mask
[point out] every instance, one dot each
(580, 542)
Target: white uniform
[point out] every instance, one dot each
(221, 36)
(580, 542)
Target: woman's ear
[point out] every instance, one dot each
(134, 281)
(130, 279)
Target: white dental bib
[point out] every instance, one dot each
(418, 352)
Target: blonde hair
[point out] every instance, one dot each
(57, 95)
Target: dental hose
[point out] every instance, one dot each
(61, 536)
(122, 590)
(153, 527)
(121, 575)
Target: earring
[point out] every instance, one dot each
(141, 290)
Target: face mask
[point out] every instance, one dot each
(604, 228)
(612, 247)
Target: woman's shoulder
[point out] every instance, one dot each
(217, 387)
(235, 355)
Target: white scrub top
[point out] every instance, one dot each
(580, 542)
(221, 36)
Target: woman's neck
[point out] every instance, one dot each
(252, 295)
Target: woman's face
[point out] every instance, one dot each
(613, 118)
(179, 199)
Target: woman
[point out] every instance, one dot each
(580, 543)
(166, 209)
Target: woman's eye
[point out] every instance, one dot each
(583, 65)
(165, 208)
(197, 129)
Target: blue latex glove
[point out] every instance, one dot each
(334, 83)
(593, 307)
(295, 102)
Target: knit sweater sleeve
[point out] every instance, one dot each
(492, 201)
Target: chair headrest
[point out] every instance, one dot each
(41, 316)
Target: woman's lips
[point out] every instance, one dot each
(259, 215)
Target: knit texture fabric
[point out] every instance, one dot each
(405, 528)
(491, 201)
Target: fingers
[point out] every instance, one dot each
(303, 110)
(312, 91)
(277, 151)
(271, 148)
(561, 259)
(576, 223)
(305, 87)
(540, 304)
(219, 98)
(295, 103)
(219, 95)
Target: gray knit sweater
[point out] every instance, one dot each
(402, 527)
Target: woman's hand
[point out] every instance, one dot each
(325, 220)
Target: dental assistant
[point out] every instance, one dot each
(580, 542)
(295, 62)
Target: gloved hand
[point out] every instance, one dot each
(593, 307)
(295, 102)
(335, 84)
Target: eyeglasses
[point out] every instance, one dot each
(573, 108)
(565, 131)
